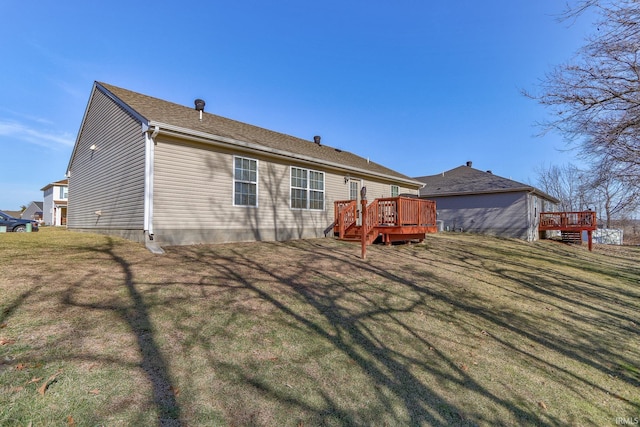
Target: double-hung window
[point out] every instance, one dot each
(307, 189)
(245, 182)
(395, 191)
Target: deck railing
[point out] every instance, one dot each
(406, 211)
(417, 212)
(345, 214)
(385, 212)
(370, 220)
(567, 221)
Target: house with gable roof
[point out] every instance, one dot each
(54, 206)
(476, 201)
(155, 171)
(33, 211)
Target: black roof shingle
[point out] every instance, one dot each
(465, 180)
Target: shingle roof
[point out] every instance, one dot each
(465, 180)
(14, 214)
(155, 110)
(62, 182)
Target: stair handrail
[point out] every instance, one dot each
(370, 220)
(345, 215)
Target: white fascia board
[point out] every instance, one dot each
(222, 141)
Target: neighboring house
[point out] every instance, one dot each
(33, 211)
(56, 197)
(148, 169)
(469, 199)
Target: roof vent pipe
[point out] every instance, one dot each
(200, 106)
(469, 163)
(316, 139)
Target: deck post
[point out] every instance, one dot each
(570, 221)
(363, 226)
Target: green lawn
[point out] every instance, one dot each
(459, 330)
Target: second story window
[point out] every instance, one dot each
(64, 192)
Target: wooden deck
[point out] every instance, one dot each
(391, 219)
(570, 224)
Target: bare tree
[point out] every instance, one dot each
(563, 183)
(599, 187)
(613, 198)
(595, 99)
(577, 8)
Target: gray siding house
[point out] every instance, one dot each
(148, 169)
(472, 200)
(33, 211)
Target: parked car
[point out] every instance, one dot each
(16, 224)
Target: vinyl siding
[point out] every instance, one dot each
(47, 206)
(30, 212)
(197, 181)
(499, 214)
(111, 178)
(375, 189)
(193, 197)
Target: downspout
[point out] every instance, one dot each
(148, 189)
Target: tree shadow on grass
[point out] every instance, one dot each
(135, 313)
(352, 330)
(16, 303)
(595, 317)
(351, 307)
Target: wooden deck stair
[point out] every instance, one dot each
(388, 219)
(571, 236)
(570, 224)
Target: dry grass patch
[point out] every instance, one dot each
(461, 329)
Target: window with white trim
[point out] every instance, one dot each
(395, 191)
(307, 189)
(245, 181)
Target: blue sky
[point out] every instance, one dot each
(420, 87)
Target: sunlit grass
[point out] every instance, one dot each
(461, 329)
